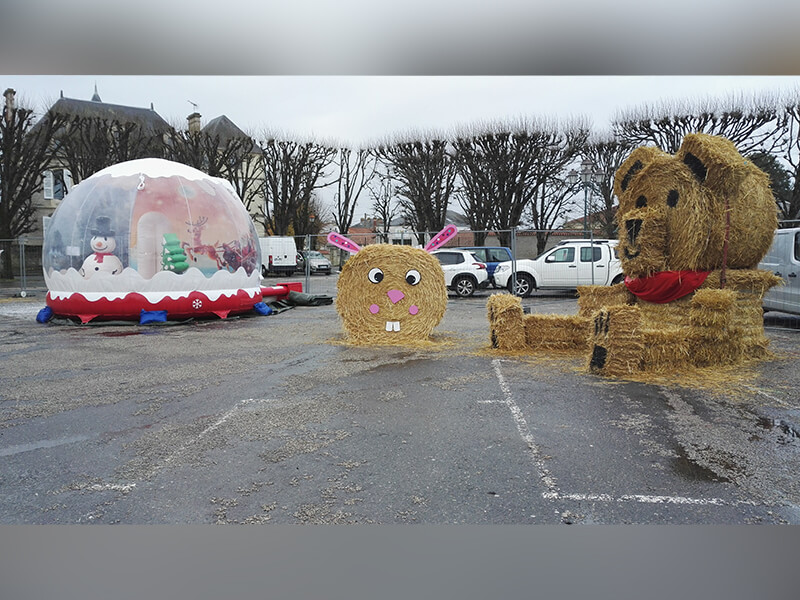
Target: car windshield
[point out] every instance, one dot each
(314, 254)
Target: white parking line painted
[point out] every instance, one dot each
(225, 417)
(11, 450)
(647, 499)
(776, 400)
(104, 487)
(522, 427)
(554, 494)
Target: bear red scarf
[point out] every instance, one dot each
(666, 286)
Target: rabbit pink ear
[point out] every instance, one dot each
(441, 238)
(342, 242)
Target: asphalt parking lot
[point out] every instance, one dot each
(277, 420)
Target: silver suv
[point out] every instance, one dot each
(463, 272)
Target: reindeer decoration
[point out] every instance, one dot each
(197, 247)
(234, 255)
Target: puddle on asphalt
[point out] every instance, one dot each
(127, 333)
(686, 467)
(786, 433)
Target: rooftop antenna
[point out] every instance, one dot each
(194, 105)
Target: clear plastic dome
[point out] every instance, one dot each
(153, 227)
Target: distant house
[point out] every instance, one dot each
(400, 232)
(58, 180)
(596, 224)
(248, 180)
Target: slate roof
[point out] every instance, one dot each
(148, 119)
(227, 130)
(224, 128)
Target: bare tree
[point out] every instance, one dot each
(26, 150)
(516, 166)
(246, 174)
(559, 147)
(384, 204)
(789, 129)
(356, 168)
(744, 121)
(293, 170)
(425, 170)
(86, 145)
(310, 219)
(478, 156)
(606, 155)
(217, 155)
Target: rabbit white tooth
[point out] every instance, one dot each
(392, 325)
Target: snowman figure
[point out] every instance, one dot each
(103, 244)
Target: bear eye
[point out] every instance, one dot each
(672, 198)
(375, 275)
(413, 277)
(641, 202)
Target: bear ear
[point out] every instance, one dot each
(710, 158)
(631, 166)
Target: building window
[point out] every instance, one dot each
(57, 184)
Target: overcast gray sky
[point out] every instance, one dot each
(360, 109)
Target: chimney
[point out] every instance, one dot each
(194, 122)
(9, 95)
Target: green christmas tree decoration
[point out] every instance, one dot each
(173, 258)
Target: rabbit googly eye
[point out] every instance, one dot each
(375, 275)
(413, 277)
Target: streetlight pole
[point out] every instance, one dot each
(587, 175)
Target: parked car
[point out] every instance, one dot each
(491, 256)
(463, 272)
(783, 259)
(566, 266)
(278, 255)
(317, 263)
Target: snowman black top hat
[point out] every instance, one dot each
(103, 227)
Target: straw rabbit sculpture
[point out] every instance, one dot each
(390, 294)
(693, 228)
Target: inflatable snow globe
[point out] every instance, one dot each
(151, 235)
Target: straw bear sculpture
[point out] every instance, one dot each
(693, 228)
(389, 294)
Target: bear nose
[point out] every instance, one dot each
(633, 227)
(395, 296)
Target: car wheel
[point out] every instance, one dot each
(264, 271)
(464, 286)
(618, 279)
(525, 285)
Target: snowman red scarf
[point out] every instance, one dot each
(101, 255)
(665, 286)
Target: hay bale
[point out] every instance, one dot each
(391, 294)
(665, 349)
(594, 297)
(565, 333)
(616, 341)
(753, 281)
(506, 322)
(710, 309)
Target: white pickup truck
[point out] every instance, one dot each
(783, 259)
(566, 266)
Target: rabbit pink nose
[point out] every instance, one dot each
(395, 296)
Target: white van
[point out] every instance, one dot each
(278, 255)
(783, 259)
